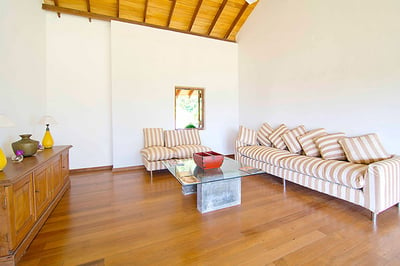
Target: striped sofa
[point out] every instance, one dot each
(161, 145)
(373, 185)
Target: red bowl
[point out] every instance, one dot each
(208, 160)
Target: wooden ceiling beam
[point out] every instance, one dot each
(56, 4)
(117, 8)
(196, 12)
(239, 15)
(221, 8)
(171, 12)
(86, 14)
(88, 8)
(146, 4)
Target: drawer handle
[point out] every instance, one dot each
(37, 191)
(4, 203)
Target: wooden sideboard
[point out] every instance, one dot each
(29, 191)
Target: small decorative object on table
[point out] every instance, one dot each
(47, 140)
(27, 145)
(19, 156)
(208, 160)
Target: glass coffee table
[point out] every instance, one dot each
(216, 188)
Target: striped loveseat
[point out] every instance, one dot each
(355, 169)
(161, 145)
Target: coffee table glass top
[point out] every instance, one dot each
(188, 173)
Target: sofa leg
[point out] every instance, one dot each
(374, 217)
(284, 185)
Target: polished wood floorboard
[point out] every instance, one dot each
(125, 219)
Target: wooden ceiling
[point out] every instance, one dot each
(218, 19)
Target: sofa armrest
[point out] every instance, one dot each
(382, 188)
(238, 144)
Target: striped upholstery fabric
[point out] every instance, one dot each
(290, 139)
(246, 161)
(375, 186)
(383, 184)
(345, 173)
(355, 196)
(186, 151)
(156, 153)
(364, 149)
(153, 137)
(263, 133)
(264, 154)
(247, 136)
(190, 137)
(276, 139)
(307, 143)
(330, 148)
(302, 164)
(173, 138)
(153, 165)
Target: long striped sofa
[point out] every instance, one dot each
(355, 169)
(161, 145)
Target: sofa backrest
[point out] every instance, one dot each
(182, 137)
(153, 137)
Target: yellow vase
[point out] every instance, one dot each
(3, 160)
(47, 140)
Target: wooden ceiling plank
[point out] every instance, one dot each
(88, 8)
(117, 8)
(221, 8)
(146, 4)
(239, 15)
(196, 12)
(86, 14)
(171, 12)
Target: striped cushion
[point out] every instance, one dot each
(247, 136)
(345, 173)
(263, 133)
(156, 153)
(153, 137)
(307, 143)
(153, 165)
(302, 164)
(265, 154)
(364, 149)
(276, 139)
(190, 137)
(330, 148)
(343, 192)
(173, 138)
(186, 151)
(290, 139)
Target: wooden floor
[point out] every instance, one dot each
(124, 219)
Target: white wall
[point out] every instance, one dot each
(147, 64)
(332, 64)
(79, 87)
(22, 69)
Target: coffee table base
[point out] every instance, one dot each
(189, 189)
(218, 195)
